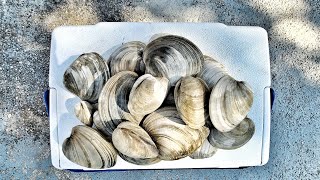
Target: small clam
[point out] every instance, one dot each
(230, 102)
(172, 57)
(172, 136)
(190, 96)
(212, 71)
(88, 148)
(147, 94)
(134, 142)
(86, 76)
(206, 150)
(127, 57)
(233, 139)
(84, 111)
(113, 102)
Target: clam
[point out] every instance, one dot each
(88, 148)
(84, 111)
(128, 57)
(113, 102)
(134, 142)
(206, 150)
(212, 71)
(190, 96)
(233, 139)
(140, 161)
(86, 76)
(172, 57)
(147, 94)
(171, 135)
(230, 102)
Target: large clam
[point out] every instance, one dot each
(86, 76)
(113, 102)
(230, 102)
(88, 148)
(172, 136)
(128, 57)
(233, 139)
(190, 96)
(172, 57)
(134, 143)
(147, 94)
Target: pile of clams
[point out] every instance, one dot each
(163, 100)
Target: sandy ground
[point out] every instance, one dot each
(294, 37)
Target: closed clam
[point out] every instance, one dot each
(86, 76)
(211, 72)
(206, 150)
(172, 57)
(233, 139)
(147, 94)
(113, 102)
(191, 96)
(230, 102)
(134, 142)
(128, 57)
(84, 111)
(88, 148)
(172, 136)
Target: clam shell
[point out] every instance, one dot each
(113, 102)
(88, 148)
(206, 150)
(235, 138)
(140, 161)
(128, 57)
(211, 72)
(172, 136)
(191, 96)
(83, 111)
(172, 57)
(147, 94)
(230, 102)
(133, 141)
(86, 76)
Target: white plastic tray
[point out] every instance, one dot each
(244, 52)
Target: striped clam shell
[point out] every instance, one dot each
(86, 76)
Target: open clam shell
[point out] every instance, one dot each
(172, 57)
(191, 96)
(84, 111)
(133, 141)
(113, 102)
(128, 57)
(88, 148)
(230, 102)
(211, 72)
(147, 94)
(206, 150)
(233, 139)
(172, 136)
(86, 76)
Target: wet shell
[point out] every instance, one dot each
(128, 57)
(83, 111)
(212, 71)
(206, 150)
(133, 141)
(113, 102)
(191, 96)
(147, 94)
(88, 148)
(235, 138)
(172, 136)
(230, 102)
(172, 57)
(140, 161)
(86, 76)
